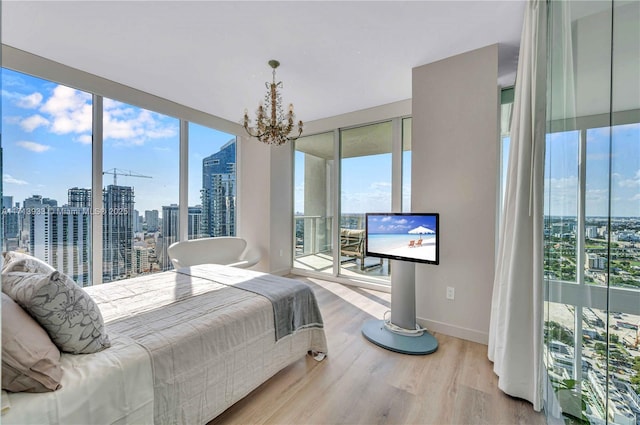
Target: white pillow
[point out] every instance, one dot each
(30, 361)
(68, 314)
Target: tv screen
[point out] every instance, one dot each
(403, 236)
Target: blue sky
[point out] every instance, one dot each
(399, 224)
(561, 173)
(365, 186)
(47, 144)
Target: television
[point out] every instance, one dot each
(403, 236)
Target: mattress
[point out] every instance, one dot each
(197, 342)
(113, 386)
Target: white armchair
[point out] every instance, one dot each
(227, 250)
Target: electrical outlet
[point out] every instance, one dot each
(281, 253)
(451, 293)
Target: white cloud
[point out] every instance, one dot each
(563, 183)
(636, 197)
(380, 186)
(9, 179)
(13, 119)
(33, 146)
(30, 101)
(561, 195)
(632, 182)
(85, 139)
(597, 194)
(130, 127)
(69, 109)
(34, 121)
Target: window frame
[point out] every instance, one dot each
(99, 88)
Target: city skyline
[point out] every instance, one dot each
(47, 132)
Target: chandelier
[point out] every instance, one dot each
(272, 128)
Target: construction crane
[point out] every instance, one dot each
(128, 173)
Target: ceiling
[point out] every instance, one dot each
(336, 57)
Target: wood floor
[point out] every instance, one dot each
(360, 383)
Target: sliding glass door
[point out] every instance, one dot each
(346, 173)
(313, 203)
(365, 181)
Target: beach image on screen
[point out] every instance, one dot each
(408, 236)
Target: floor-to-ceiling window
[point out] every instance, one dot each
(313, 202)
(506, 106)
(140, 168)
(592, 214)
(365, 183)
(212, 183)
(406, 164)
(46, 173)
(346, 173)
(54, 204)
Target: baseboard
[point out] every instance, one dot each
(456, 331)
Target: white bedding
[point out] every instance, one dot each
(201, 353)
(113, 386)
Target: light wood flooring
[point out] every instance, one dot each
(360, 383)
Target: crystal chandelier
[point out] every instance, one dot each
(273, 128)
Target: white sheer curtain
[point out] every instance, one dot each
(515, 334)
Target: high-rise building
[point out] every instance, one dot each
(195, 222)
(10, 224)
(140, 261)
(169, 233)
(152, 220)
(79, 197)
(117, 232)
(137, 223)
(61, 236)
(219, 192)
(32, 206)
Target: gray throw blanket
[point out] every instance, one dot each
(294, 304)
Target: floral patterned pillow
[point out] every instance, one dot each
(68, 314)
(19, 262)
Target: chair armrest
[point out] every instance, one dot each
(249, 258)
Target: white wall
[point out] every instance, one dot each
(265, 202)
(454, 173)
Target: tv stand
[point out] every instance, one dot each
(401, 334)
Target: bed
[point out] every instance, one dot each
(185, 345)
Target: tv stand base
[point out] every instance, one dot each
(376, 332)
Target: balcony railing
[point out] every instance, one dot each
(312, 234)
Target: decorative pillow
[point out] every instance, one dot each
(20, 262)
(68, 314)
(30, 361)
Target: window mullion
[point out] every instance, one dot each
(335, 227)
(396, 165)
(96, 191)
(580, 250)
(183, 183)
